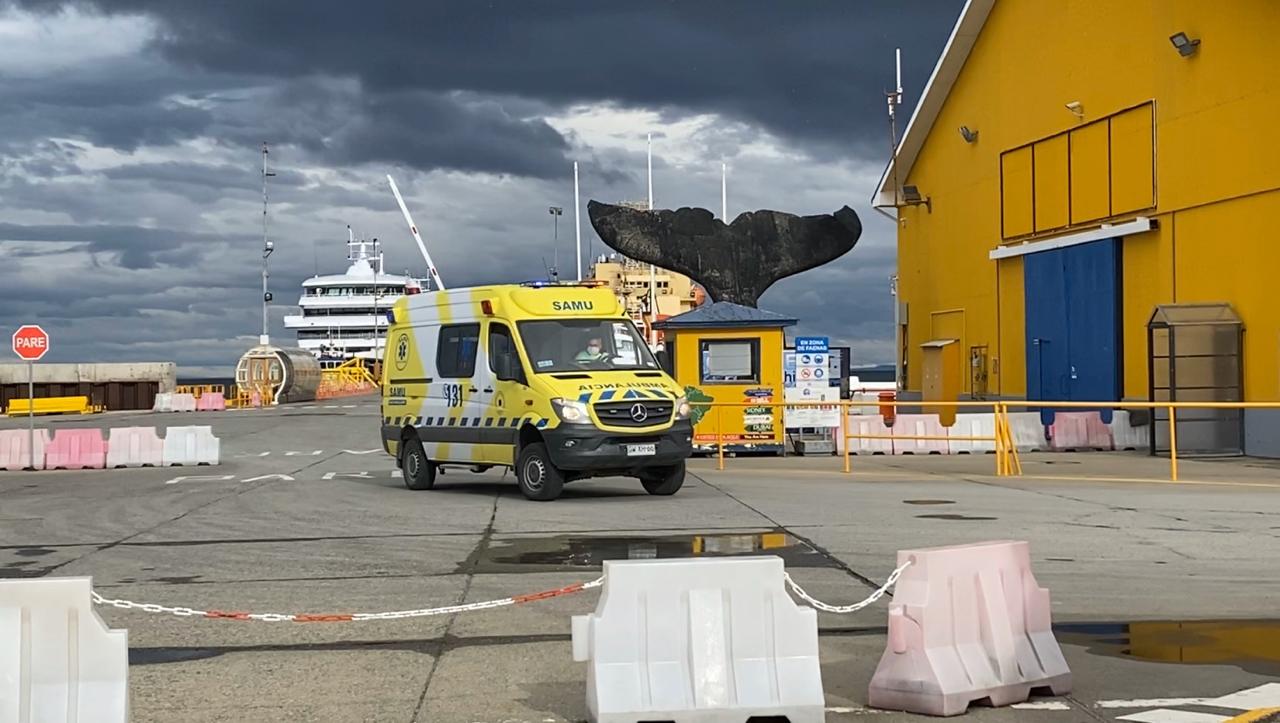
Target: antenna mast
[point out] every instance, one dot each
(413, 228)
(653, 278)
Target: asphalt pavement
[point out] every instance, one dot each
(1165, 595)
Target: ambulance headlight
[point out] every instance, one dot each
(682, 408)
(571, 411)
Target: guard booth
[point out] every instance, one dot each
(942, 369)
(730, 354)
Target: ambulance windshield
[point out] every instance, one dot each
(569, 345)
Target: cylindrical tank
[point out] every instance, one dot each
(289, 374)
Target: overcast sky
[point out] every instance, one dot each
(130, 188)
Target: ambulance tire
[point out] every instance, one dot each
(663, 481)
(419, 472)
(538, 477)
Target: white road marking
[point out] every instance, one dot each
(353, 475)
(1150, 702)
(201, 478)
(348, 406)
(259, 478)
(253, 454)
(1263, 696)
(315, 453)
(1042, 705)
(849, 710)
(1166, 715)
(330, 406)
(362, 451)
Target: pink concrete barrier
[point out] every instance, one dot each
(76, 449)
(211, 402)
(919, 425)
(1078, 431)
(15, 446)
(134, 447)
(966, 623)
(868, 424)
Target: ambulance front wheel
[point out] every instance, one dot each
(419, 472)
(538, 477)
(663, 480)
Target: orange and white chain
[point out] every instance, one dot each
(347, 617)
(842, 609)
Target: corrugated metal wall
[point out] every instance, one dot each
(112, 395)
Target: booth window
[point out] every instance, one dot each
(456, 352)
(730, 361)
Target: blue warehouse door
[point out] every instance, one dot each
(1073, 324)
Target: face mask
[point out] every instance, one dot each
(593, 350)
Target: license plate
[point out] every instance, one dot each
(641, 450)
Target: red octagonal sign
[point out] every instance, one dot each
(30, 342)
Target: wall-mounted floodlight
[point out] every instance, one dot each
(1186, 46)
(1076, 108)
(968, 134)
(911, 197)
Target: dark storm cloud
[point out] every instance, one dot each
(815, 71)
(134, 247)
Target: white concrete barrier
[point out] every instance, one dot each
(134, 447)
(15, 448)
(1126, 435)
(972, 425)
(163, 402)
(184, 402)
(58, 660)
(872, 424)
(907, 426)
(188, 446)
(706, 641)
(1028, 432)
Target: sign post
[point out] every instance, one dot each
(30, 343)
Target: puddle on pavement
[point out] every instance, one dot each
(32, 551)
(576, 551)
(928, 502)
(955, 517)
(1251, 645)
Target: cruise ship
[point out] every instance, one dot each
(343, 316)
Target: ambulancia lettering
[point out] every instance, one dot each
(572, 305)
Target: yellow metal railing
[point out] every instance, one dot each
(350, 377)
(197, 390)
(1008, 462)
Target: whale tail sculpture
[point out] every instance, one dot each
(734, 262)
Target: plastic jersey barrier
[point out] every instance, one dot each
(58, 661)
(163, 402)
(1125, 435)
(184, 403)
(134, 447)
(869, 424)
(1028, 432)
(15, 446)
(699, 641)
(187, 446)
(76, 449)
(966, 623)
(919, 425)
(211, 402)
(1079, 431)
(972, 425)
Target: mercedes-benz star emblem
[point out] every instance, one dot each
(639, 413)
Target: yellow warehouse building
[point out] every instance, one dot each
(1071, 167)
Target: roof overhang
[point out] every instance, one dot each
(1140, 224)
(954, 55)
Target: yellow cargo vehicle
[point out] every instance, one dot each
(551, 380)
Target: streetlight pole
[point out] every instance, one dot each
(556, 212)
(267, 248)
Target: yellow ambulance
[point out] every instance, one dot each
(549, 379)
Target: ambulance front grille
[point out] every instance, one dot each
(628, 413)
